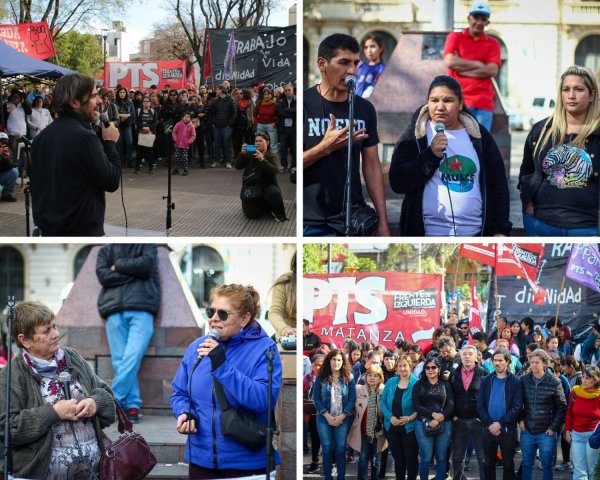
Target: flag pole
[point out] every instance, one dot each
(203, 56)
(453, 303)
(562, 285)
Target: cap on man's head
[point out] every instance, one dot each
(480, 8)
(3, 136)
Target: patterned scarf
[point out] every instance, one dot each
(583, 393)
(372, 415)
(41, 368)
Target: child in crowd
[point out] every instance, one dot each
(184, 134)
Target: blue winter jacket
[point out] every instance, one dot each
(241, 367)
(322, 396)
(387, 398)
(513, 400)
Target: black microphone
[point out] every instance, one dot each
(104, 119)
(65, 379)
(350, 82)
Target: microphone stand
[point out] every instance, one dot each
(8, 466)
(168, 197)
(270, 431)
(27, 192)
(348, 232)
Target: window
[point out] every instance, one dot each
(587, 52)
(12, 275)
(203, 271)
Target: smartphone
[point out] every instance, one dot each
(251, 148)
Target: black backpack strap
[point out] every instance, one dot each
(220, 395)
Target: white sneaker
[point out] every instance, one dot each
(228, 165)
(213, 164)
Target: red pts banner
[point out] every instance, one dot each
(141, 75)
(32, 39)
(379, 307)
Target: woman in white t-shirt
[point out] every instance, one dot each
(450, 170)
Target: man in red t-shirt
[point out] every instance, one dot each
(473, 58)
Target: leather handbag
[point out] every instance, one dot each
(129, 457)
(146, 139)
(238, 425)
(251, 189)
(430, 431)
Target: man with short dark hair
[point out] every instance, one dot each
(499, 404)
(36, 92)
(71, 168)
(480, 343)
(310, 340)
(360, 368)
(286, 112)
(326, 129)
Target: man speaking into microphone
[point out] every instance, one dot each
(71, 168)
(326, 132)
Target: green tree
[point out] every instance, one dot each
(81, 52)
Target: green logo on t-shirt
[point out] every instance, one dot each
(458, 173)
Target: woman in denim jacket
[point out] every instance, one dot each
(334, 395)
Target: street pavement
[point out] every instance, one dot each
(207, 203)
(351, 469)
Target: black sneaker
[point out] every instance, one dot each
(175, 171)
(185, 172)
(133, 415)
(278, 218)
(313, 468)
(8, 198)
(137, 171)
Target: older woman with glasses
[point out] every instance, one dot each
(583, 414)
(433, 400)
(237, 361)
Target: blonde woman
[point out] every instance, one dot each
(367, 434)
(558, 177)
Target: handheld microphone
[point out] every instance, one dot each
(440, 128)
(104, 119)
(215, 334)
(350, 82)
(65, 379)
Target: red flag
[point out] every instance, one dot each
(523, 260)
(474, 316)
(480, 252)
(32, 39)
(207, 57)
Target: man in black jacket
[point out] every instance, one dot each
(224, 113)
(544, 411)
(286, 111)
(129, 300)
(8, 172)
(499, 404)
(71, 168)
(466, 380)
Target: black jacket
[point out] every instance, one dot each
(224, 112)
(465, 402)
(134, 284)
(544, 404)
(414, 164)
(513, 400)
(425, 403)
(71, 169)
(284, 111)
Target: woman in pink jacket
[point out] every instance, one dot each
(184, 134)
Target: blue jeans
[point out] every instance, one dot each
(222, 142)
(318, 231)
(368, 452)
(128, 333)
(8, 180)
(583, 456)
(537, 228)
(484, 117)
(333, 439)
(125, 145)
(545, 443)
(428, 446)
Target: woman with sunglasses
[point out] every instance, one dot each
(583, 414)
(334, 395)
(433, 400)
(238, 361)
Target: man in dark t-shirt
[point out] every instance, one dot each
(325, 158)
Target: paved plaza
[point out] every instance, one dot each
(207, 203)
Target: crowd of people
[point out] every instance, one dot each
(446, 163)
(251, 128)
(522, 386)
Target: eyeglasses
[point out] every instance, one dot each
(222, 314)
(431, 367)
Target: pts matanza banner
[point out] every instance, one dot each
(381, 307)
(31, 39)
(141, 75)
